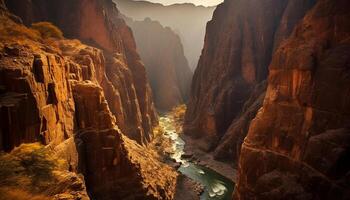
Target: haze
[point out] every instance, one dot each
(196, 2)
(190, 25)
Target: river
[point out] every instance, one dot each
(216, 186)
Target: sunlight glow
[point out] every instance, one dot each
(196, 2)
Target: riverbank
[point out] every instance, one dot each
(186, 189)
(201, 157)
(216, 177)
(207, 159)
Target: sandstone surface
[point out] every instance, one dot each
(297, 146)
(239, 44)
(98, 23)
(54, 92)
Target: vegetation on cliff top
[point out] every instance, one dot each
(31, 172)
(48, 30)
(14, 32)
(39, 32)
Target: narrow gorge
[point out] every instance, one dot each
(174, 100)
(165, 62)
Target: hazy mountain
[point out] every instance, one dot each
(167, 68)
(187, 20)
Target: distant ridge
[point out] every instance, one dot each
(189, 25)
(175, 4)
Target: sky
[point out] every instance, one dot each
(196, 2)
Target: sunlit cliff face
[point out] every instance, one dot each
(196, 2)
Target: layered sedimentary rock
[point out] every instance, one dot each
(54, 92)
(299, 142)
(36, 98)
(187, 20)
(167, 68)
(98, 23)
(239, 44)
(115, 167)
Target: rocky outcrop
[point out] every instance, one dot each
(98, 23)
(114, 166)
(36, 99)
(167, 67)
(189, 25)
(239, 44)
(297, 146)
(54, 92)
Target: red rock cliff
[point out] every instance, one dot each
(299, 142)
(166, 65)
(239, 44)
(97, 22)
(54, 92)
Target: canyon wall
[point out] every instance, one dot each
(78, 100)
(227, 87)
(298, 145)
(187, 20)
(167, 68)
(99, 24)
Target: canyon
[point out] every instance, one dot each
(269, 96)
(92, 100)
(240, 41)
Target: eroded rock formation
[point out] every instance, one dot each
(298, 144)
(98, 23)
(78, 101)
(115, 167)
(239, 44)
(166, 65)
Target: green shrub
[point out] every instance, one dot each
(48, 30)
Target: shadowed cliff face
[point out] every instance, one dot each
(298, 144)
(64, 94)
(187, 20)
(98, 23)
(239, 44)
(167, 68)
